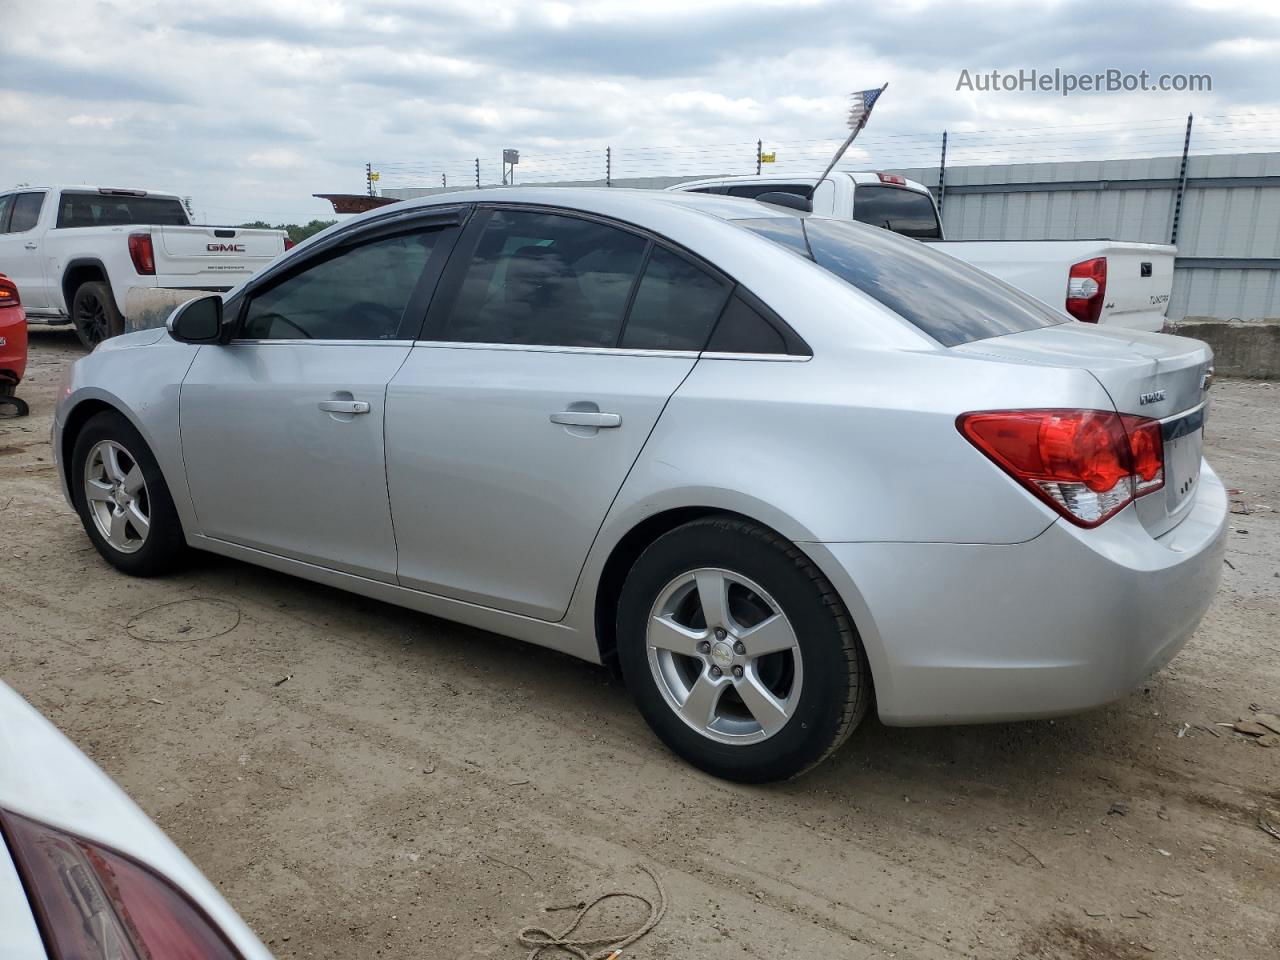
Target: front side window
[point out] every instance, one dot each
(545, 279)
(356, 294)
(907, 212)
(100, 210)
(26, 212)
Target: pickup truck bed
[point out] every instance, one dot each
(76, 253)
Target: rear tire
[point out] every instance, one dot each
(95, 314)
(760, 685)
(122, 498)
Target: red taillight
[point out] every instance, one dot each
(8, 292)
(1086, 464)
(93, 903)
(288, 244)
(142, 253)
(1086, 289)
(892, 178)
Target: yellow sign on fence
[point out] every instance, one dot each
(769, 157)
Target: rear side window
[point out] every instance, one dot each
(26, 212)
(358, 294)
(546, 279)
(949, 300)
(98, 210)
(676, 305)
(6, 204)
(907, 212)
(743, 329)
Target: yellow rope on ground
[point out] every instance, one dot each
(540, 939)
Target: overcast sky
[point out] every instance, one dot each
(251, 106)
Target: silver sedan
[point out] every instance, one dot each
(775, 468)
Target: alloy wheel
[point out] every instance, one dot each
(117, 496)
(724, 656)
(91, 317)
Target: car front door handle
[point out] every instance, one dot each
(344, 406)
(30, 246)
(586, 418)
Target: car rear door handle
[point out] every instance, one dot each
(586, 418)
(344, 406)
(30, 246)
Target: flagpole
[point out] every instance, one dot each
(845, 146)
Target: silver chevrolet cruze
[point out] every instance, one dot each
(774, 467)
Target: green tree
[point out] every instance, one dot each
(296, 233)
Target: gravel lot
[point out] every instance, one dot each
(360, 780)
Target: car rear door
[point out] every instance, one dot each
(552, 348)
(282, 428)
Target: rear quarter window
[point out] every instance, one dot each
(949, 300)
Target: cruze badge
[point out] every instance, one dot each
(1155, 396)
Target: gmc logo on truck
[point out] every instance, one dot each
(224, 247)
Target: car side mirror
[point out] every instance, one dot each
(197, 321)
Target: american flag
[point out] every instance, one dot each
(860, 112)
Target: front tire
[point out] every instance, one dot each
(123, 501)
(739, 652)
(95, 314)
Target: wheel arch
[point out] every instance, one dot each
(645, 532)
(80, 271)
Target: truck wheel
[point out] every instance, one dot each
(94, 313)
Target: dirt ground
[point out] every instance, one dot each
(364, 781)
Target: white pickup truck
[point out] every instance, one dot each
(1112, 282)
(76, 253)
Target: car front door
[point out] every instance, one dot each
(282, 428)
(551, 349)
(21, 256)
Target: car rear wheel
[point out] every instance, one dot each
(94, 314)
(738, 651)
(123, 500)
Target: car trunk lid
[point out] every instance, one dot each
(1151, 375)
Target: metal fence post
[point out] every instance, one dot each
(444, 180)
(1182, 185)
(942, 175)
(608, 166)
(477, 173)
(759, 155)
(368, 177)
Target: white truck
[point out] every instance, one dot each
(84, 255)
(1112, 282)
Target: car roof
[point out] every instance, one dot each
(89, 188)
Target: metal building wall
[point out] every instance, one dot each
(1228, 265)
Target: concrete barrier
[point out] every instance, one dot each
(1239, 349)
(146, 308)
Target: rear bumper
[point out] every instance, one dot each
(968, 633)
(1152, 321)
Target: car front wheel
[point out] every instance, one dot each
(122, 498)
(738, 651)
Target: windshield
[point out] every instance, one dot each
(98, 210)
(903, 211)
(949, 300)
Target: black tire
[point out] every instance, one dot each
(836, 689)
(95, 314)
(164, 547)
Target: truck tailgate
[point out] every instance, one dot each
(218, 256)
(1139, 281)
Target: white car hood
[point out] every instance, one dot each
(45, 777)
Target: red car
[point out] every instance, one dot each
(13, 348)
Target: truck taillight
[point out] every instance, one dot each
(8, 293)
(93, 903)
(1086, 464)
(1086, 289)
(288, 244)
(892, 178)
(142, 254)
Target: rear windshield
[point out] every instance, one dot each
(105, 210)
(903, 211)
(949, 300)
